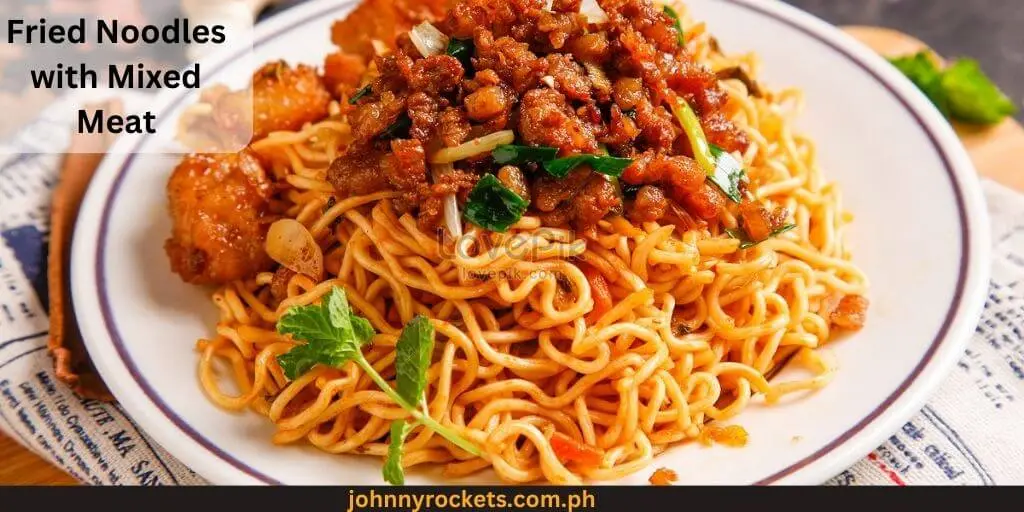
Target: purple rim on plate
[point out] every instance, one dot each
(191, 432)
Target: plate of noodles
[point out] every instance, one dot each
(529, 241)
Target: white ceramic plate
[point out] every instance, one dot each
(921, 234)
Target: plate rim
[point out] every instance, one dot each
(147, 408)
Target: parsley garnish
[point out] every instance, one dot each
(332, 335)
(961, 92)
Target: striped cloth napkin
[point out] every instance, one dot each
(968, 434)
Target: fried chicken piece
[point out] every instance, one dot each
(219, 205)
(382, 20)
(285, 98)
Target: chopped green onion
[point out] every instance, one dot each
(517, 155)
(721, 168)
(360, 93)
(398, 129)
(462, 49)
(671, 13)
(493, 206)
(728, 174)
(558, 167)
(695, 133)
(608, 165)
(745, 240)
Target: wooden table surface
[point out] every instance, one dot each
(997, 153)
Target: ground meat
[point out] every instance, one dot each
(548, 192)
(653, 23)
(436, 74)
(546, 119)
(706, 203)
(514, 179)
(463, 18)
(758, 222)
(382, 20)
(697, 83)
(592, 47)
(581, 199)
(286, 98)
(454, 127)
(489, 102)
(528, 74)
(371, 118)
(597, 199)
(621, 131)
(723, 133)
(510, 59)
(431, 206)
(219, 206)
(851, 313)
(406, 168)
(628, 92)
(279, 284)
(425, 113)
(570, 78)
(649, 205)
(656, 124)
(394, 70)
(358, 172)
(680, 175)
(343, 72)
(560, 26)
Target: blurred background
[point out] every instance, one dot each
(991, 31)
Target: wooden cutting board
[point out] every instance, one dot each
(998, 153)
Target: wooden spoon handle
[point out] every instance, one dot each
(71, 361)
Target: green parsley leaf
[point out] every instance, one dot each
(393, 472)
(517, 155)
(333, 336)
(921, 69)
(412, 360)
(462, 49)
(360, 93)
(493, 206)
(728, 174)
(972, 97)
(329, 332)
(608, 165)
(745, 241)
(671, 13)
